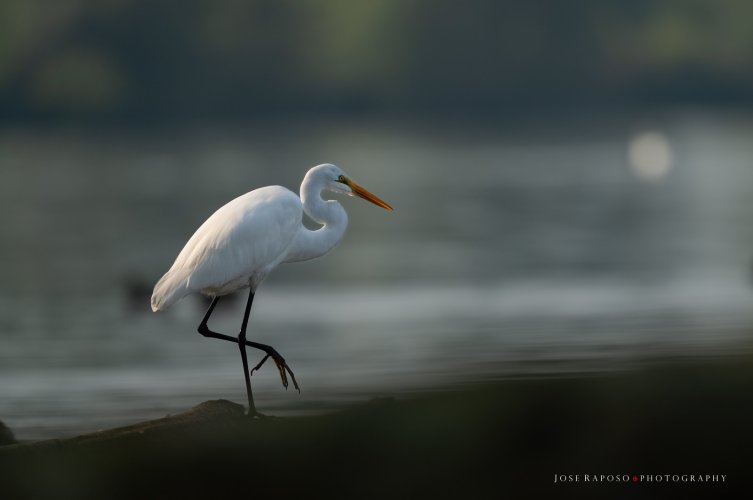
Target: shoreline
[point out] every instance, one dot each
(501, 437)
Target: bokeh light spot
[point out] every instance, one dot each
(650, 156)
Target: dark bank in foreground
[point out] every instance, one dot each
(509, 436)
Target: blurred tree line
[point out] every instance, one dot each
(166, 61)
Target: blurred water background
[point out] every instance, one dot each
(572, 190)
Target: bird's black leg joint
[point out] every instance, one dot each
(282, 366)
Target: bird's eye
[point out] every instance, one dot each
(341, 178)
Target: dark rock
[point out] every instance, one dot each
(6, 436)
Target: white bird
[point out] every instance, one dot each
(244, 240)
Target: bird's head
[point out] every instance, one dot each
(334, 179)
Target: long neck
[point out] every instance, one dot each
(312, 244)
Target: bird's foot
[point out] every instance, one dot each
(282, 367)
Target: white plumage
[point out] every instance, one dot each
(243, 241)
(235, 248)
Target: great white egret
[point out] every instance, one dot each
(244, 240)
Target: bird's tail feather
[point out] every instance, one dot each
(172, 287)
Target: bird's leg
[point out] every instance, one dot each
(242, 347)
(282, 366)
(241, 341)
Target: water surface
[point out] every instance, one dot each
(511, 251)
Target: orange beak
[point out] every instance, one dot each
(366, 195)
